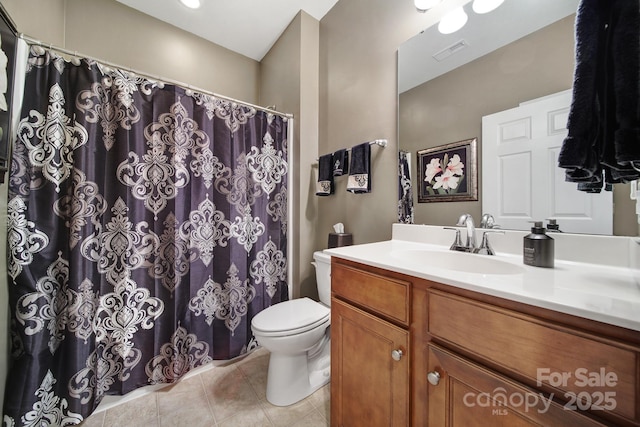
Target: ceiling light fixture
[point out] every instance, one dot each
(191, 4)
(453, 21)
(485, 6)
(424, 5)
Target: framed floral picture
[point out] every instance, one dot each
(448, 173)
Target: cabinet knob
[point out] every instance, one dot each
(397, 355)
(433, 377)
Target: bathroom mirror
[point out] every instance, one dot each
(521, 51)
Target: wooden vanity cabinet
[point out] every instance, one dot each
(586, 373)
(369, 387)
(466, 394)
(370, 349)
(470, 359)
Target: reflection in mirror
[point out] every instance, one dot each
(491, 72)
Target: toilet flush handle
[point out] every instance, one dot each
(397, 355)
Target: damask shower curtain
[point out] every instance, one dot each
(147, 226)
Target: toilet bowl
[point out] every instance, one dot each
(297, 333)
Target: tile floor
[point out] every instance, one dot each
(224, 396)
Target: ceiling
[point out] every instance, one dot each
(248, 27)
(251, 27)
(482, 34)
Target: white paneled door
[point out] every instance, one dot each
(521, 181)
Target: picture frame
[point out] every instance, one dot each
(8, 42)
(448, 173)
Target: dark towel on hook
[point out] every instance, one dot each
(604, 119)
(324, 187)
(341, 162)
(360, 169)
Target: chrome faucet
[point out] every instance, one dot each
(488, 221)
(467, 220)
(457, 243)
(485, 248)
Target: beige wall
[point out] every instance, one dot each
(43, 19)
(110, 31)
(358, 101)
(625, 220)
(289, 80)
(308, 124)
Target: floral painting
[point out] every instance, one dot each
(448, 173)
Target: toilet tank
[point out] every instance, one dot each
(322, 262)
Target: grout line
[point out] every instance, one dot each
(318, 412)
(256, 401)
(266, 414)
(206, 396)
(158, 422)
(262, 404)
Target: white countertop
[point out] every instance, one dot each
(609, 294)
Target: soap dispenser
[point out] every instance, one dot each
(538, 247)
(553, 226)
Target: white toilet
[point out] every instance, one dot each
(296, 332)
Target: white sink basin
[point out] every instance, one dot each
(457, 261)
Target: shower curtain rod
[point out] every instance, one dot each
(32, 41)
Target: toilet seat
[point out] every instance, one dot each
(291, 317)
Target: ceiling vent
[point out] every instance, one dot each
(450, 50)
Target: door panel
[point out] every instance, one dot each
(521, 181)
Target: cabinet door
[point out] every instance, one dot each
(369, 387)
(462, 393)
(570, 363)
